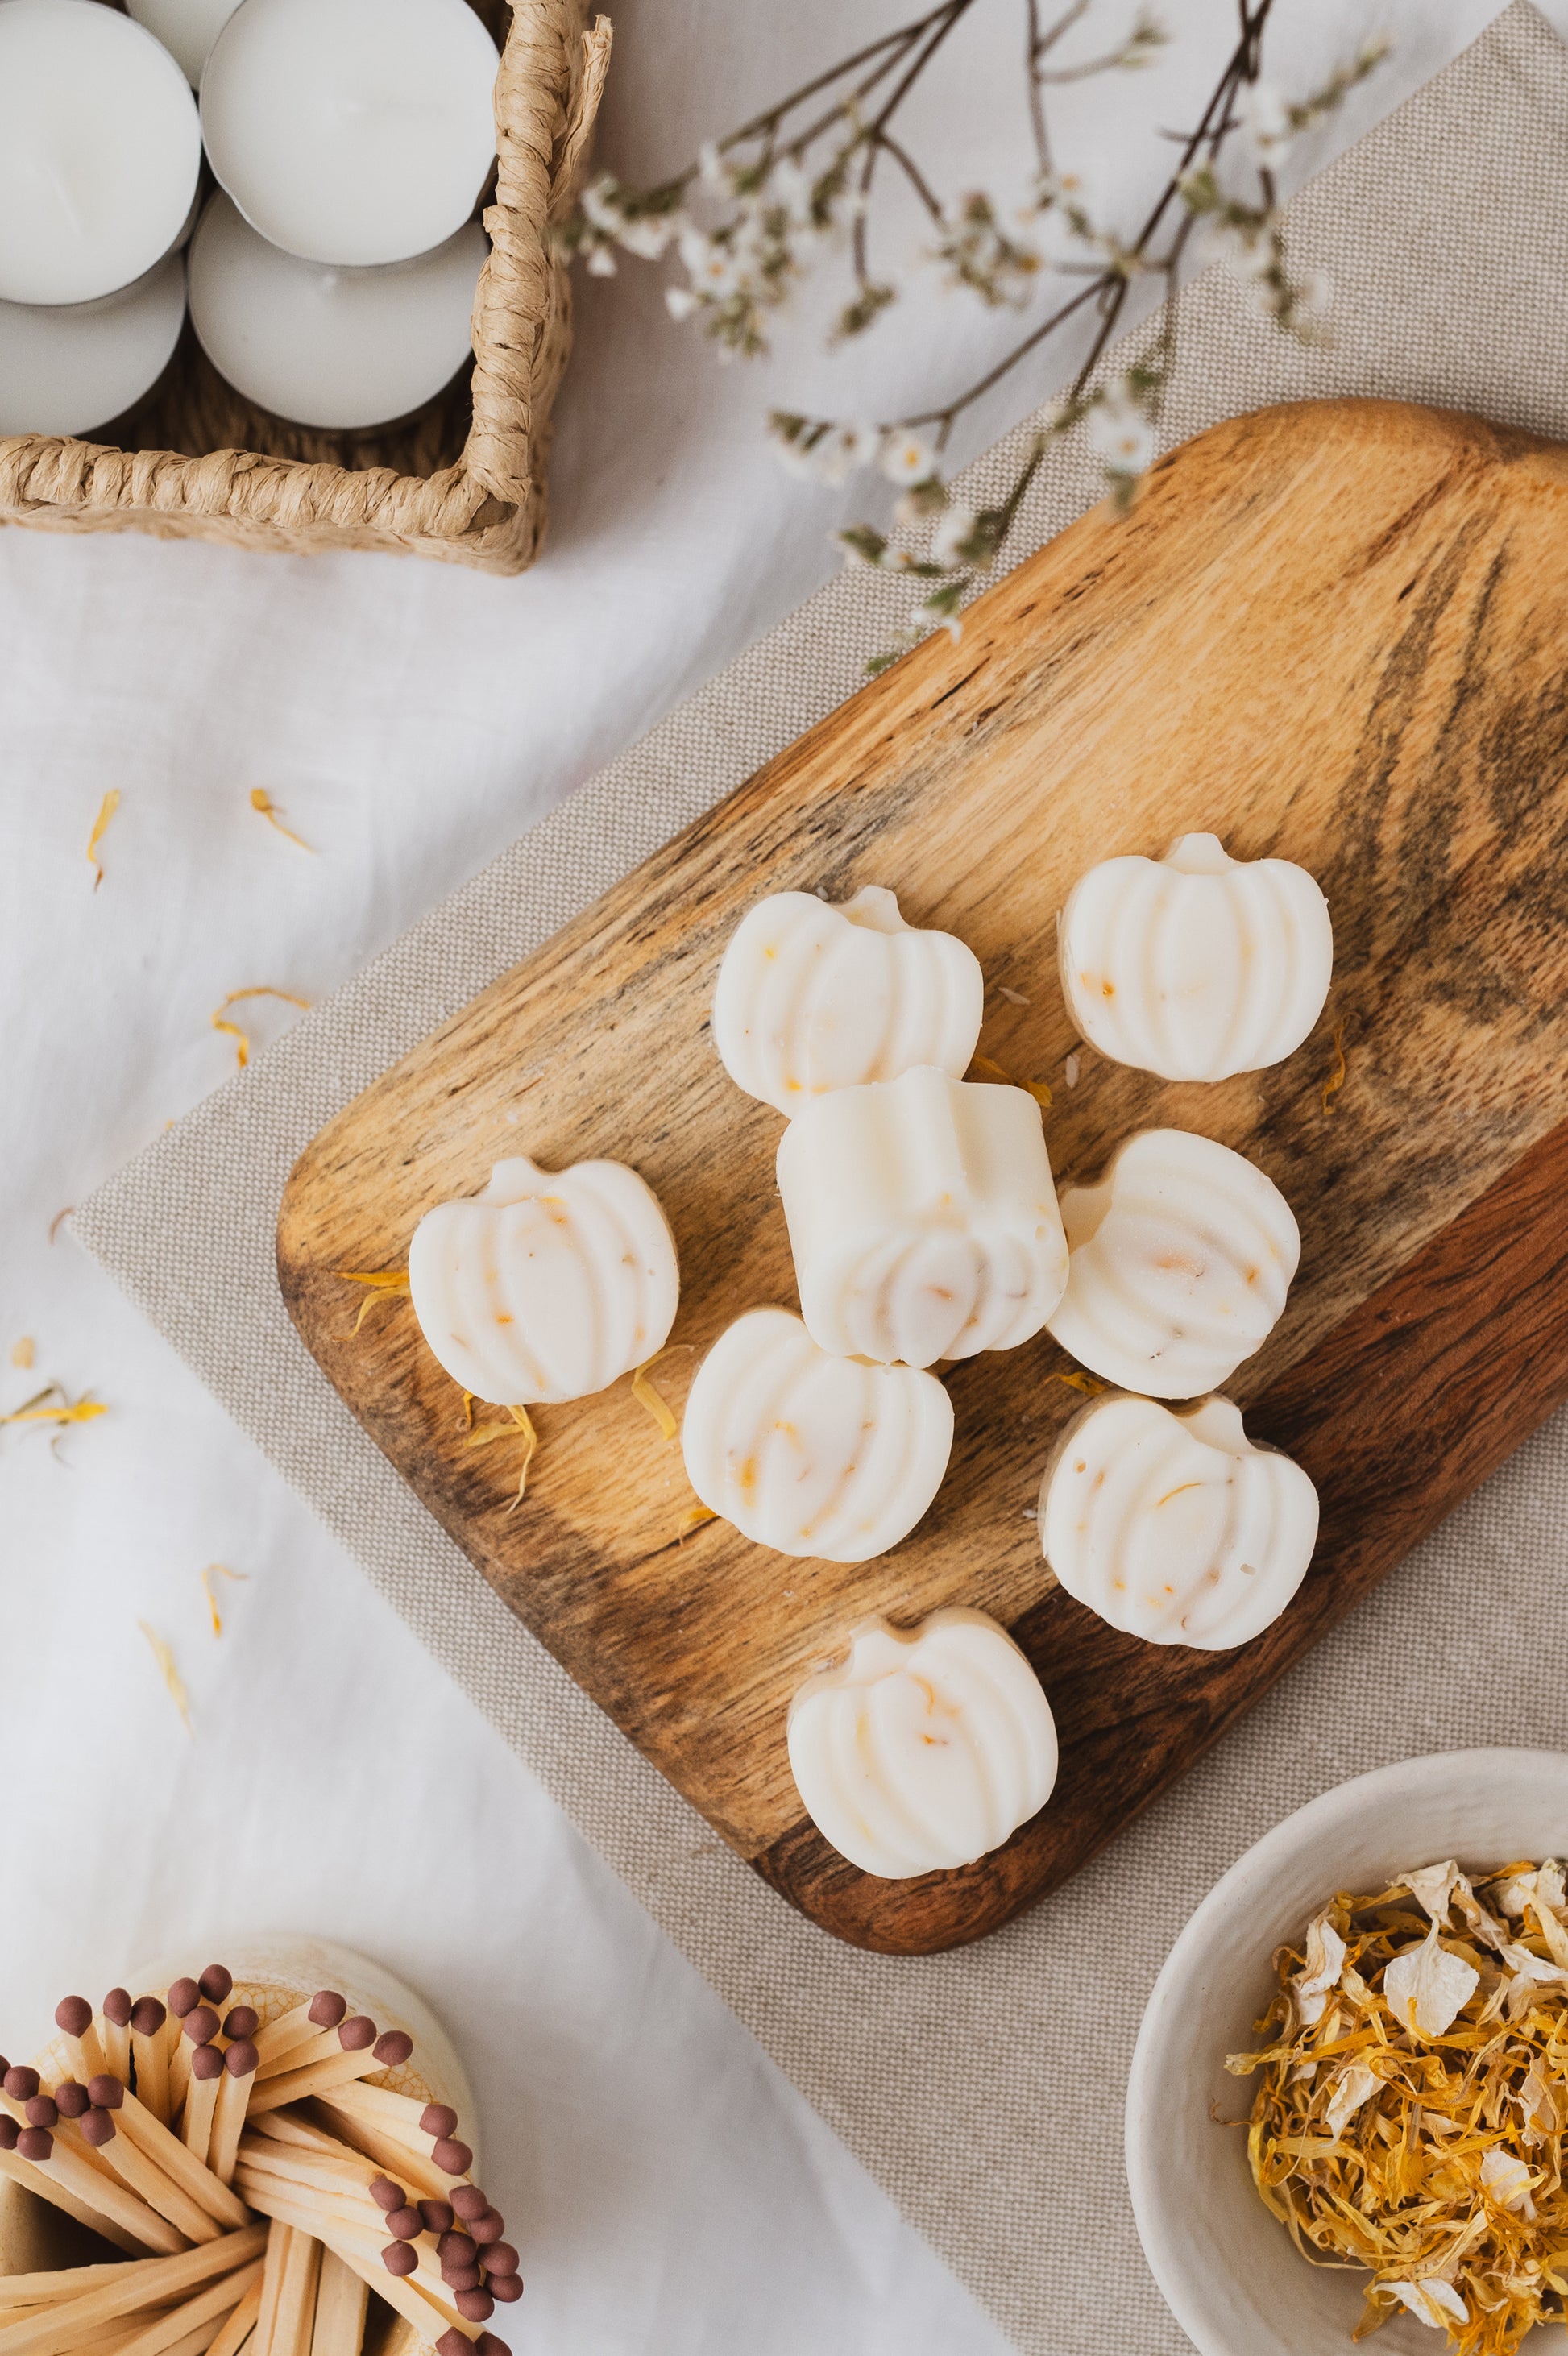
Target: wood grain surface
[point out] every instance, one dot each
(1332, 632)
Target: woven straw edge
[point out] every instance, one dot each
(487, 510)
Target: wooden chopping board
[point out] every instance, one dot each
(1333, 632)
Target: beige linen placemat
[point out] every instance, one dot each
(983, 2089)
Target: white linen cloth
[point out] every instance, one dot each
(668, 2188)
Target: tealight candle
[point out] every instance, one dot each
(352, 131)
(1181, 1257)
(330, 347)
(922, 1218)
(187, 29)
(1197, 965)
(811, 997)
(99, 149)
(65, 368)
(548, 1285)
(810, 1454)
(927, 1748)
(1175, 1527)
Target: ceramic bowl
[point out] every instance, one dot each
(1230, 2274)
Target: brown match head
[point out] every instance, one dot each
(207, 2063)
(487, 2228)
(241, 2061)
(457, 2250)
(506, 2287)
(438, 2216)
(98, 2128)
(452, 2158)
(36, 2144)
(404, 2225)
(21, 2083)
(242, 2022)
(438, 2119)
(201, 2024)
(455, 2343)
(358, 2033)
(41, 2112)
(149, 2015)
(217, 1984)
(473, 2306)
(462, 2277)
(328, 2009)
(468, 2200)
(400, 2258)
(118, 2008)
(393, 2049)
(10, 2133)
(499, 2259)
(105, 2092)
(74, 2015)
(183, 1997)
(71, 2100)
(386, 2195)
(487, 2344)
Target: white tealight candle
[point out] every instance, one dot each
(330, 347)
(352, 131)
(922, 1218)
(99, 149)
(64, 369)
(185, 27)
(927, 1748)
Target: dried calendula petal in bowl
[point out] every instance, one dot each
(1411, 2097)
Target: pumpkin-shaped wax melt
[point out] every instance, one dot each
(1175, 1527)
(925, 1749)
(547, 1286)
(810, 1454)
(1196, 965)
(1180, 1260)
(811, 997)
(923, 1219)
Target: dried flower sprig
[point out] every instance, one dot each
(798, 181)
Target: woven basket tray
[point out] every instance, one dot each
(464, 477)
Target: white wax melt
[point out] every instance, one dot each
(547, 1286)
(812, 998)
(67, 367)
(99, 149)
(1196, 965)
(351, 131)
(809, 1454)
(926, 1748)
(1175, 1527)
(1181, 1259)
(922, 1218)
(334, 348)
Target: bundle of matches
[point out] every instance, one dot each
(173, 2125)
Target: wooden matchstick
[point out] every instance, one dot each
(234, 2096)
(218, 2299)
(416, 2168)
(179, 2162)
(65, 2164)
(342, 2299)
(144, 2176)
(296, 2296)
(239, 2326)
(200, 2101)
(149, 2056)
(430, 2315)
(113, 2026)
(358, 2054)
(279, 2236)
(74, 2020)
(34, 2181)
(167, 2280)
(183, 1999)
(323, 2011)
(63, 2282)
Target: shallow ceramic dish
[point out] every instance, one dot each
(1228, 2269)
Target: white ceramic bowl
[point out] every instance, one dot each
(1228, 2270)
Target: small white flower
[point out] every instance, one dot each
(712, 169)
(1121, 432)
(1266, 119)
(905, 458)
(711, 267)
(679, 301)
(601, 262)
(650, 238)
(838, 453)
(790, 186)
(1313, 295)
(599, 206)
(955, 525)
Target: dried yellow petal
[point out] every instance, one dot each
(23, 1352)
(217, 1570)
(262, 801)
(644, 1392)
(106, 810)
(232, 1030)
(51, 1405)
(693, 1521)
(524, 1423)
(1089, 1384)
(983, 1068)
(386, 1281)
(169, 1672)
